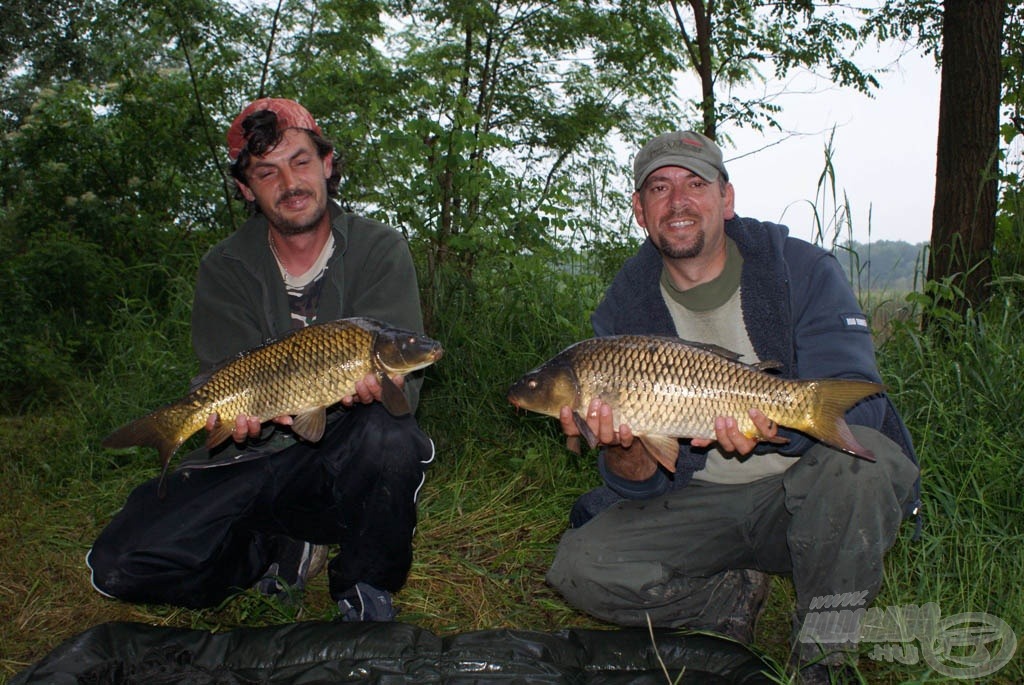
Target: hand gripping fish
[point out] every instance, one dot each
(667, 388)
(299, 374)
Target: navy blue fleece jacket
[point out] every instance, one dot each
(798, 309)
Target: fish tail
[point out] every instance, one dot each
(834, 396)
(164, 430)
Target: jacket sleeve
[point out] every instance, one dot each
(633, 489)
(832, 339)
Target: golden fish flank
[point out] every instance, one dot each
(667, 388)
(300, 374)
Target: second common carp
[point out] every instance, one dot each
(666, 388)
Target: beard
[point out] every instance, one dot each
(676, 250)
(295, 225)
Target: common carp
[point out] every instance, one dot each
(667, 388)
(299, 374)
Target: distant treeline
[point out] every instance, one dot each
(890, 266)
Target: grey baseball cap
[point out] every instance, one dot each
(687, 149)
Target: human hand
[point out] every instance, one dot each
(369, 389)
(245, 427)
(624, 455)
(731, 440)
(598, 423)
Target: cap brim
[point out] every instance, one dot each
(709, 172)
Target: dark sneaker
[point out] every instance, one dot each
(295, 563)
(363, 602)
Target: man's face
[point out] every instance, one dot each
(289, 183)
(682, 212)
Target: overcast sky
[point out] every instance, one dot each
(883, 154)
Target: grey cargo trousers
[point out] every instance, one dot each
(827, 521)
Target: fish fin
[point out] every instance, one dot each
(834, 397)
(663, 448)
(220, 433)
(755, 434)
(714, 349)
(767, 365)
(847, 443)
(310, 424)
(153, 430)
(584, 429)
(393, 398)
(161, 488)
(572, 443)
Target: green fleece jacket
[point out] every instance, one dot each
(241, 303)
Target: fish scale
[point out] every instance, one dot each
(270, 381)
(656, 381)
(667, 388)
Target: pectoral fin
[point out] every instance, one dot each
(584, 429)
(309, 424)
(220, 433)
(664, 449)
(392, 397)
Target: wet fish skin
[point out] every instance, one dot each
(667, 388)
(299, 374)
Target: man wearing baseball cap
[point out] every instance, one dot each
(691, 548)
(267, 515)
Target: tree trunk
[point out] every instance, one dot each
(963, 218)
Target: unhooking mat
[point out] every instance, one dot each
(309, 653)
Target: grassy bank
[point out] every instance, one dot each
(496, 499)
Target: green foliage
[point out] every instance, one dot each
(729, 43)
(518, 312)
(54, 316)
(509, 105)
(918, 21)
(957, 388)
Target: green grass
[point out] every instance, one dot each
(497, 497)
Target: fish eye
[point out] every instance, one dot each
(532, 385)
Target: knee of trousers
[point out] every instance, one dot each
(841, 477)
(576, 568)
(834, 496)
(390, 444)
(106, 573)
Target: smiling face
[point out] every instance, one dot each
(683, 213)
(289, 184)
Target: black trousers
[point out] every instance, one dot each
(210, 536)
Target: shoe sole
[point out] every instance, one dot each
(317, 561)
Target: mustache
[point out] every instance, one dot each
(676, 216)
(287, 195)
